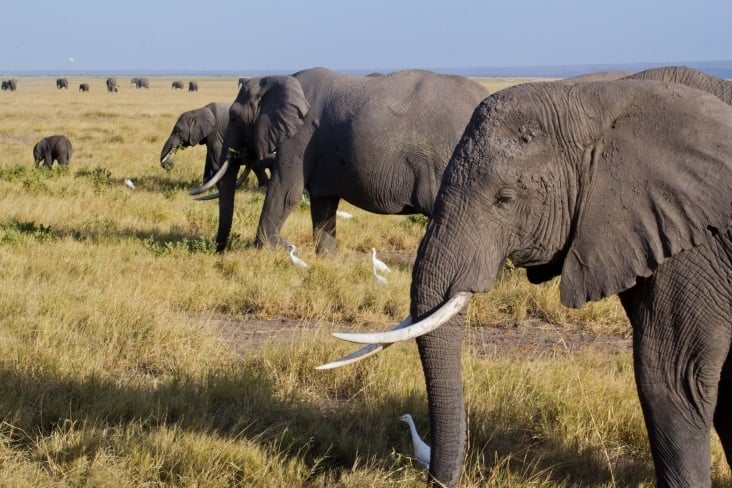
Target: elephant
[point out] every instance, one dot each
(62, 83)
(689, 77)
(206, 125)
(380, 143)
(112, 85)
(177, 85)
(192, 86)
(140, 83)
(9, 85)
(620, 187)
(52, 148)
(84, 87)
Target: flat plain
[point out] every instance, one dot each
(132, 355)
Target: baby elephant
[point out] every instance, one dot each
(52, 148)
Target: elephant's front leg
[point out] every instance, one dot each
(282, 195)
(323, 212)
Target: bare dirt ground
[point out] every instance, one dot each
(529, 339)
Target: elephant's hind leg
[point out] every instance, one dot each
(323, 212)
(681, 342)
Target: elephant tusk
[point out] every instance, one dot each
(424, 326)
(364, 352)
(214, 179)
(168, 156)
(215, 195)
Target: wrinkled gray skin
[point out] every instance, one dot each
(177, 85)
(596, 76)
(618, 187)
(112, 85)
(206, 125)
(62, 83)
(50, 149)
(140, 83)
(689, 77)
(192, 86)
(380, 143)
(84, 87)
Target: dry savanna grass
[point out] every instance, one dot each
(116, 370)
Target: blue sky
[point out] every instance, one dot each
(241, 35)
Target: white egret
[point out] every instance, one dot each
(343, 214)
(295, 260)
(380, 279)
(129, 183)
(421, 449)
(378, 264)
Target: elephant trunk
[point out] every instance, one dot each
(169, 149)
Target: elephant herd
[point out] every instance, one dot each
(618, 183)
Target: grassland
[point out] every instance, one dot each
(132, 355)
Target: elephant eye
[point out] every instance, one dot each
(505, 197)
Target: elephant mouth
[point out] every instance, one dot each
(405, 331)
(166, 161)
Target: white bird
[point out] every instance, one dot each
(378, 264)
(295, 260)
(343, 214)
(380, 279)
(71, 60)
(421, 449)
(129, 183)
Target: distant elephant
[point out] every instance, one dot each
(50, 149)
(177, 85)
(140, 83)
(618, 187)
(689, 77)
(62, 83)
(380, 143)
(10, 85)
(206, 125)
(84, 87)
(596, 76)
(192, 86)
(112, 85)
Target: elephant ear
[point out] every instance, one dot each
(200, 126)
(282, 111)
(660, 182)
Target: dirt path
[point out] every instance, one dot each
(529, 339)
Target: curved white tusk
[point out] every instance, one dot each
(214, 179)
(364, 352)
(424, 326)
(168, 156)
(215, 195)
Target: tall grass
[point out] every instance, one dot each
(132, 355)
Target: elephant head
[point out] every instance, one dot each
(191, 128)
(266, 112)
(40, 150)
(599, 183)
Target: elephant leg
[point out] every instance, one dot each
(279, 201)
(323, 213)
(723, 412)
(681, 339)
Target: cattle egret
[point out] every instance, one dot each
(344, 215)
(380, 279)
(378, 264)
(421, 449)
(129, 183)
(295, 260)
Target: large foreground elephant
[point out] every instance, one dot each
(206, 125)
(621, 187)
(380, 143)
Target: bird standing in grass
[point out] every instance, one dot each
(380, 279)
(129, 183)
(295, 260)
(379, 265)
(421, 449)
